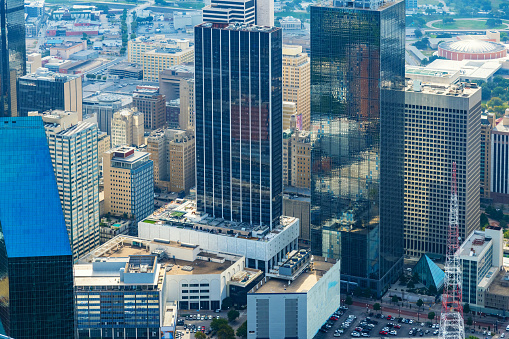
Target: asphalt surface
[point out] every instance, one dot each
(359, 310)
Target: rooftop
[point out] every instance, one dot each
(183, 214)
(239, 27)
(500, 285)
(458, 90)
(126, 154)
(475, 244)
(44, 74)
(472, 46)
(303, 283)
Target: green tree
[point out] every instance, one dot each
(84, 36)
(227, 303)
(377, 306)
(232, 315)
(495, 101)
(90, 76)
(466, 308)
(470, 321)
(395, 299)
(200, 335)
(348, 300)
(431, 316)
(419, 303)
(242, 330)
(226, 332)
(472, 337)
(418, 33)
(357, 292)
(217, 324)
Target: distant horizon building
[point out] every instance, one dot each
(43, 90)
(357, 105)
(228, 11)
(443, 125)
(73, 148)
(36, 269)
(13, 56)
(239, 122)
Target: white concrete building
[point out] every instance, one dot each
(263, 248)
(73, 148)
(481, 257)
(284, 308)
(127, 128)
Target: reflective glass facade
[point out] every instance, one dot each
(36, 276)
(357, 113)
(239, 130)
(12, 53)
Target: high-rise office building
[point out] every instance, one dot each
(128, 184)
(499, 177)
(442, 126)
(153, 106)
(44, 90)
(227, 11)
(103, 144)
(187, 111)
(36, 273)
(127, 128)
(239, 122)
(296, 86)
(73, 150)
(12, 53)
(487, 124)
(357, 105)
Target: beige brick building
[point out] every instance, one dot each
(296, 158)
(296, 81)
(128, 183)
(172, 152)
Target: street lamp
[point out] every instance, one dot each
(418, 318)
(367, 308)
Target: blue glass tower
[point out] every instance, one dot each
(36, 272)
(357, 116)
(239, 131)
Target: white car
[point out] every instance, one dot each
(393, 332)
(502, 335)
(507, 328)
(337, 335)
(355, 334)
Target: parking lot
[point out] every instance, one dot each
(188, 323)
(372, 324)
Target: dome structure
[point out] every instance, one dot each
(471, 50)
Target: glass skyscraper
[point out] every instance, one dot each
(12, 53)
(238, 89)
(36, 272)
(357, 114)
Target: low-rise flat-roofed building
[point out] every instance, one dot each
(481, 257)
(263, 248)
(112, 226)
(294, 303)
(137, 47)
(127, 70)
(119, 296)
